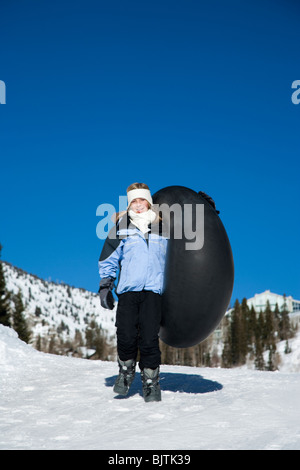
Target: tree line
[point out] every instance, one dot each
(244, 334)
(12, 317)
(249, 334)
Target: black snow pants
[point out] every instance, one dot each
(138, 321)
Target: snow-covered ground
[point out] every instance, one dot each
(57, 402)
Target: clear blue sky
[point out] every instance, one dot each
(103, 94)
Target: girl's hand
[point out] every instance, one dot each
(106, 298)
(105, 290)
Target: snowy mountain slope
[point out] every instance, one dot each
(48, 304)
(290, 362)
(57, 402)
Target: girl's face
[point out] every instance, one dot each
(139, 205)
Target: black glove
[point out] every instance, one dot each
(105, 290)
(209, 200)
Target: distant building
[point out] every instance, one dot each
(259, 302)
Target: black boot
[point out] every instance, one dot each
(125, 377)
(151, 387)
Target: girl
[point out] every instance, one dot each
(139, 252)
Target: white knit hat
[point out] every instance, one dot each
(139, 193)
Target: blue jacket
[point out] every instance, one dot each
(139, 257)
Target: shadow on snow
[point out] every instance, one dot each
(173, 382)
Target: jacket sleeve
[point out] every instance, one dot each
(109, 258)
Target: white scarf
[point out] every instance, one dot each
(143, 219)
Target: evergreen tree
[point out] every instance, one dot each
(271, 366)
(287, 349)
(235, 332)
(4, 298)
(226, 360)
(260, 331)
(235, 343)
(259, 358)
(95, 339)
(226, 353)
(238, 335)
(285, 331)
(251, 330)
(19, 321)
(269, 329)
(276, 318)
(244, 330)
(38, 311)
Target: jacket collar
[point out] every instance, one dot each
(125, 227)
